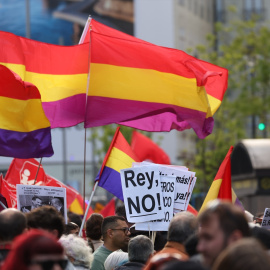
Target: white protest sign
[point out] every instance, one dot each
(167, 186)
(30, 197)
(183, 184)
(175, 210)
(142, 193)
(146, 163)
(266, 219)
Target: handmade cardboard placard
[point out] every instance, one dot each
(30, 197)
(168, 188)
(266, 219)
(142, 193)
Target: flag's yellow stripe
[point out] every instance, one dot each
(119, 160)
(146, 85)
(212, 193)
(76, 208)
(22, 115)
(52, 87)
(234, 197)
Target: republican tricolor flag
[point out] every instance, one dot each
(221, 187)
(25, 131)
(119, 156)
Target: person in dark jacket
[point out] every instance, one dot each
(140, 249)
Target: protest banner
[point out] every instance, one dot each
(167, 187)
(30, 197)
(266, 219)
(142, 193)
(184, 182)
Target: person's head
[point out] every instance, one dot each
(73, 217)
(115, 233)
(140, 249)
(46, 218)
(93, 226)
(71, 228)
(115, 259)
(35, 250)
(57, 202)
(12, 224)
(191, 245)
(220, 225)
(182, 225)
(245, 254)
(120, 211)
(36, 202)
(78, 252)
(262, 235)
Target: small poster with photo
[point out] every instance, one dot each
(30, 197)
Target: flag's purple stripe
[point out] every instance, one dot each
(111, 181)
(238, 203)
(34, 144)
(146, 115)
(65, 112)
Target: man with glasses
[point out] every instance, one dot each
(115, 234)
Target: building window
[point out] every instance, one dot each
(220, 11)
(253, 8)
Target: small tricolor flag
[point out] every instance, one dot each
(221, 187)
(119, 156)
(25, 131)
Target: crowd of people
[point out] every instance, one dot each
(222, 237)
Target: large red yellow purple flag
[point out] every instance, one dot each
(25, 131)
(221, 187)
(59, 72)
(119, 156)
(149, 87)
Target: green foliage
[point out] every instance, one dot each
(243, 48)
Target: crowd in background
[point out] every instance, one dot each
(222, 237)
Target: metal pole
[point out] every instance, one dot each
(88, 206)
(64, 145)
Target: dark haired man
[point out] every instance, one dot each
(46, 218)
(115, 234)
(220, 225)
(12, 224)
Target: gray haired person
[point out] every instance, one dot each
(140, 249)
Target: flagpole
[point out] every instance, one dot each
(84, 170)
(87, 27)
(37, 171)
(3, 205)
(87, 209)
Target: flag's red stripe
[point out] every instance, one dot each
(123, 145)
(12, 86)
(42, 57)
